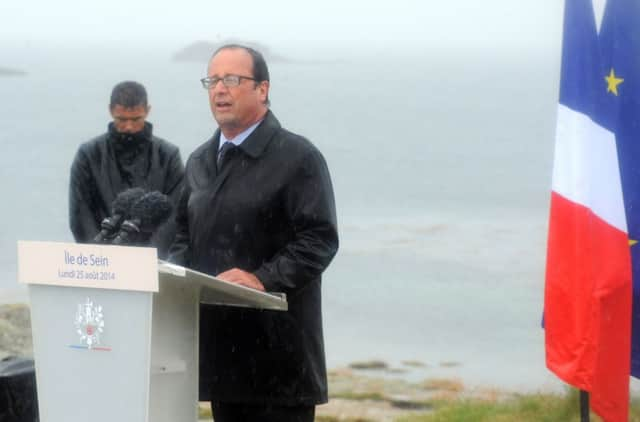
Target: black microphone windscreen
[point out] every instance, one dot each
(153, 209)
(125, 200)
(120, 208)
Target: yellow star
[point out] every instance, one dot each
(632, 242)
(613, 82)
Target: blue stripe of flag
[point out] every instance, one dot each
(619, 40)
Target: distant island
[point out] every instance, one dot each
(200, 51)
(6, 71)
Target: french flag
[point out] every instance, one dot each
(596, 179)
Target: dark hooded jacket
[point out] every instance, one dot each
(270, 210)
(113, 162)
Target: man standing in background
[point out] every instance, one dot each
(127, 156)
(258, 210)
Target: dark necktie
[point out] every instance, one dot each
(224, 153)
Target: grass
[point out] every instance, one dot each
(528, 408)
(518, 408)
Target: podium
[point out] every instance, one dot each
(115, 331)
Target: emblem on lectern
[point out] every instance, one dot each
(89, 323)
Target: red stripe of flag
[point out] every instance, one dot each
(588, 306)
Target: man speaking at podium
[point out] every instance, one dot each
(257, 209)
(127, 156)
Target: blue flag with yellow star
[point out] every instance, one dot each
(619, 40)
(592, 281)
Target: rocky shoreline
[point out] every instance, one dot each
(363, 391)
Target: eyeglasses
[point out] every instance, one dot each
(227, 80)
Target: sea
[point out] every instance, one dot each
(441, 163)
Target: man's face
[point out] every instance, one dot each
(235, 108)
(129, 119)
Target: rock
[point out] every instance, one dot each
(414, 363)
(15, 331)
(372, 364)
(443, 384)
(6, 71)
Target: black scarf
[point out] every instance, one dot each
(131, 152)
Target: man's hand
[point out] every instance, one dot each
(238, 276)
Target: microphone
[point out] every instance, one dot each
(120, 208)
(146, 215)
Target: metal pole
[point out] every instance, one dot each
(584, 406)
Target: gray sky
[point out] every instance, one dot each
(483, 23)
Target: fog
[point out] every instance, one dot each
(460, 24)
(457, 215)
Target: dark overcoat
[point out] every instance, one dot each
(270, 210)
(105, 166)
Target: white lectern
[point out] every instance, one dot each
(115, 331)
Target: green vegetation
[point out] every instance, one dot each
(538, 408)
(517, 408)
(336, 419)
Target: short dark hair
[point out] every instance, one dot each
(260, 71)
(128, 94)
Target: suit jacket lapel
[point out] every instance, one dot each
(259, 139)
(253, 146)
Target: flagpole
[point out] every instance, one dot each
(584, 406)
